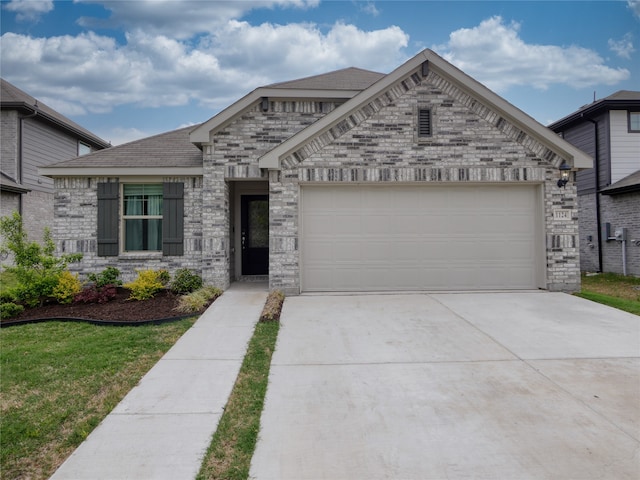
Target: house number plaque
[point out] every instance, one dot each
(562, 214)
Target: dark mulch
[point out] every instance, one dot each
(120, 309)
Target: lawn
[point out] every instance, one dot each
(622, 292)
(59, 380)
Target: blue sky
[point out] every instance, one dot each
(130, 69)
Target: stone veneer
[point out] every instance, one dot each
(378, 143)
(470, 143)
(76, 225)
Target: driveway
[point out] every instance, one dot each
(527, 385)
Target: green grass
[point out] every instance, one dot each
(613, 290)
(7, 281)
(233, 444)
(59, 380)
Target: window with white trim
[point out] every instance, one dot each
(142, 217)
(83, 148)
(634, 121)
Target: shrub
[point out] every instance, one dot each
(272, 307)
(93, 294)
(109, 276)
(196, 301)
(36, 267)
(145, 286)
(185, 281)
(68, 286)
(164, 277)
(10, 309)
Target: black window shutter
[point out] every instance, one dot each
(424, 123)
(108, 230)
(173, 219)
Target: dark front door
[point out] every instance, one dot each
(255, 234)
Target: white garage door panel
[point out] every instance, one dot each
(418, 238)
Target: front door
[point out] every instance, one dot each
(255, 234)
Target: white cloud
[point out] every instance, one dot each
(181, 19)
(93, 73)
(29, 10)
(494, 54)
(370, 8)
(624, 47)
(634, 5)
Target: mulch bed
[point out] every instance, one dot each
(119, 310)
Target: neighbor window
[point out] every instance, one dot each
(83, 148)
(142, 217)
(424, 123)
(634, 121)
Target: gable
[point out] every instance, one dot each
(427, 67)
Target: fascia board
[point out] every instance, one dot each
(202, 134)
(120, 171)
(271, 159)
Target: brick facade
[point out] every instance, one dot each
(75, 229)
(378, 144)
(471, 143)
(622, 210)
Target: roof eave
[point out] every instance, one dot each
(202, 134)
(54, 172)
(30, 109)
(597, 108)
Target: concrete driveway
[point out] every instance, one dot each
(452, 386)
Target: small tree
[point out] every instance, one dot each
(36, 267)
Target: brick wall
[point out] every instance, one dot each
(588, 228)
(75, 228)
(378, 144)
(621, 210)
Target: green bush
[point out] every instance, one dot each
(10, 309)
(164, 277)
(36, 268)
(185, 281)
(109, 276)
(196, 301)
(145, 286)
(68, 286)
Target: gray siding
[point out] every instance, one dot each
(583, 137)
(43, 145)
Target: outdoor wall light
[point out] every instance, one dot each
(564, 175)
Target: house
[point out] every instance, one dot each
(33, 135)
(608, 193)
(420, 179)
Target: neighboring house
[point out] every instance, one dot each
(33, 135)
(420, 179)
(608, 193)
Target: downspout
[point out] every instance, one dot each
(597, 185)
(21, 150)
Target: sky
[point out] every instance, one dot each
(130, 69)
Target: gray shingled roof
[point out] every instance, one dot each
(171, 149)
(621, 99)
(346, 79)
(630, 183)
(11, 97)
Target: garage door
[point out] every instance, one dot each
(370, 238)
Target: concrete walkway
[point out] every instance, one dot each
(162, 428)
(452, 386)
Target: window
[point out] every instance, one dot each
(83, 149)
(424, 123)
(634, 121)
(142, 217)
